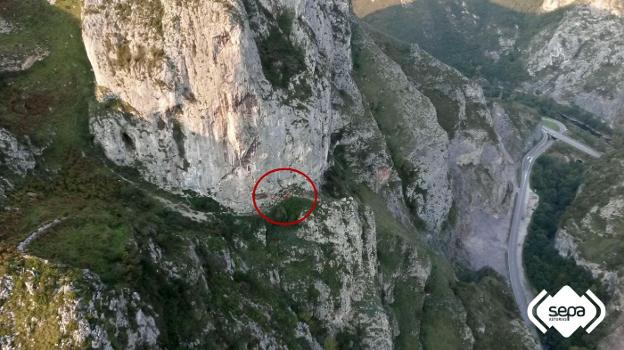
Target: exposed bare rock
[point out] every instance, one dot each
(221, 123)
(15, 155)
(16, 159)
(413, 136)
(579, 62)
(479, 170)
(78, 313)
(21, 60)
(5, 26)
(615, 7)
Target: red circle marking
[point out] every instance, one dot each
(285, 223)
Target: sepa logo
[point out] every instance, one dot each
(566, 311)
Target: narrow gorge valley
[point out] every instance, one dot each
(133, 133)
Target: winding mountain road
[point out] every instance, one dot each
(519, 286)
(521, 290)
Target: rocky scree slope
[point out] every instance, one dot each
(472, 173)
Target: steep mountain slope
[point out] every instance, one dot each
(556, 59)
(578, 61)
(591, 233)
(564, 53)
(479, 171)
(126, 267)
(305, 108)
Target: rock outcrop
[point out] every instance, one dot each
(207, 96)
(12, 62)
(455, 171)
(217, 93)
(407, 119)
(578, 61)
(177, 117)
(481, 171)
(5, 26)
(615, 7)
(78, 312)
(338, 279)
(16, 159)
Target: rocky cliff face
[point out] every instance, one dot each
(206, 96)
(218, 93)
(481, 171)
(414, 138)
(578, 61)
(615, 7)
(463, 174)
(193, 133)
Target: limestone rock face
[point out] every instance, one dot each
(201, 114)
(615, 7)
(17, 158)
(70, 318)
(456, 174)
(418, 144)
(480, 170)
(349, 232)
(579, 61)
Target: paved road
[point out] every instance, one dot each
(520, 289)
(570, 141)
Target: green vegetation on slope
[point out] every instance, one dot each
(49, 102)
(443, 312)
(291, 209)
(556, 182)
(438, 82)
(34, 305)
(388, 111)
(460, 40)
(117, 230)
(551, 124)
(599, 238)
(491, 308)
(281, 59)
